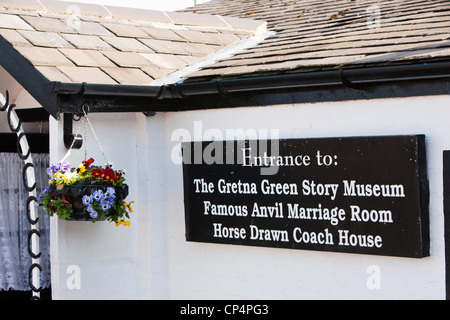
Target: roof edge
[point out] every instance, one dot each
(352, 78)
(72, 8)
(28, 77)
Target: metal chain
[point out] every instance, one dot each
(85, 121)
(96, 138)
(85, 135)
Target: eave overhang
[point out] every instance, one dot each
(28, 77)
(72, 97)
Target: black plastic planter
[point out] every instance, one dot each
(74, 195)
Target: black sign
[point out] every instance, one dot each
(364, 195)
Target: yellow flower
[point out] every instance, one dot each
(69, 177)
(84, 165)
(129, 205)
(81, 169)
(124, 223)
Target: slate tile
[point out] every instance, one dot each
(163, 34)
(128, 59)
(92, 28)
(46, 14)
(48, 24)
(138, 14)
(87, 58)
(71, 7)
(157, 73)
(53, 74)
(190, 59)
(198, 49)
(426, 53)
(213, 72)
(125, 30)
(45, 39)
(196, 36)
(401, 56)
(128, 75)
(236, 61)
(224, 39)
(127, 44)
(44, 56)
(87, 42)
(164, 46)
(87, 74)
(329, 61)
(374, 59)
(203, 29)
(19, 12)
(14, 37)
(109, 19)
(241, 34)
(309, 64)
(165, 61)
(10, 21)
(246, 24)
(21, 4)
(185, 18)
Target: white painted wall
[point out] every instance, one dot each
(152, 260)
(201, 271)
(104, 257)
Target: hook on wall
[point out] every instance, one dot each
(69, 137)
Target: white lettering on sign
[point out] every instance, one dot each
(236, 187)
(324, 237)
(383, 216)
(228, 232)
(268, 234)
(334, 215)
(276, 161)
(352, 189)
(319, 189)
(362, 240)
(278, 188)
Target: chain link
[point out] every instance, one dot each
(85, 121)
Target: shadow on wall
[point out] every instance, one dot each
(46, 294)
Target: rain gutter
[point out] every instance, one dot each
(141, 98)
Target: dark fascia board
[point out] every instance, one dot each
(89, 89)
(32, 115)
(174, 97)
(39, 142)
(28, 77)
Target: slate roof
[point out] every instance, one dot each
(316, 35)
(77, 42)
(45, 42)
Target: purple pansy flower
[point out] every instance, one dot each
(87, 200)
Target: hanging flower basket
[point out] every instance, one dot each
(86, 193)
